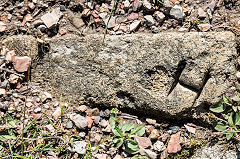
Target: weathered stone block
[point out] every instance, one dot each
(172, 74)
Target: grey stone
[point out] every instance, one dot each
(149, 20)
(37, 23)
(111, 23)
(154, 29)
(146, 152)
(143, 142)
(151, 121)
(80, 147)
(145, 72)
(106, 113)
(201, 13)
(159, 146)
(238, 75)
(97, 119)
(167, 3)
(62, 8)
(174, 129)
(148, 6)
(126, 4)
(69, 125)
(77, 22)
(50, 19)
(42, 28)
(37, 110)
(79, 121)
(4, 83)
(215, 152)
(136, 5)
(159, 16)
(134, 25)
(177, 12)
(104, 123)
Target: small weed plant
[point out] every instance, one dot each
(89, 151)
(227, 120)
(124, 134)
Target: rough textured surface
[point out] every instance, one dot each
(24, 45)
(171, 74)
(215, 152)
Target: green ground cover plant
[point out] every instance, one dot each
(124, 134)
(227, 119)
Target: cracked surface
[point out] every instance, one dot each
(171, 74)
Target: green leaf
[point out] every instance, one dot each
(219, 126)
(132, 147)
(7, 137)
(120, 123)
(229, 134)
(230, 119)
(1, 146)
(12, 123)
(237, 118)
(118, 141)
(218, 108)
(227, 100)
(139, 130)
(234, 108)
(132, 141)
(225, 116)
(114, 111)
(236, 98)
(115, 140)
(117, 132)
(112, 121)
(127, 127)
(237, 86)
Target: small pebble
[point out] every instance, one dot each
(4, 83)
(79, 121)
(158, 146)
(62, 8)
(46, 106)
(125, 154)
(97, 119)
(154, 134)
(106, 113)
(238, 75)
(82, 108)
(151, 121)
(101, 113)
(69, 125)
(104, 123)
(82, 134)
(80, 147)
(174, 129)
(37, 110)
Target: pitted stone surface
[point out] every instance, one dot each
(173, 74)
(216, 152)
(24, 45)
